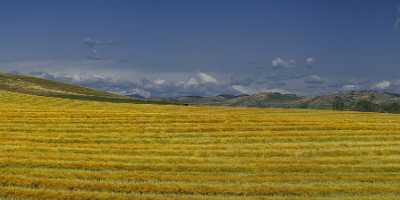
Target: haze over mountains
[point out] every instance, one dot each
(205, 84)
(363, 100)
(369, 101)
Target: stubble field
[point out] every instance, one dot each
(54, 148)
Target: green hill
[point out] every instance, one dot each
(369, 101)
(38, 86)
(42, 87)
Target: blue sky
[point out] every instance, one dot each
(346, 39)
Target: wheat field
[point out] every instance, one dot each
(54, 148)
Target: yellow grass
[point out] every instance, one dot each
(53, 148)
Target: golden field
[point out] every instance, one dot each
(54, 148)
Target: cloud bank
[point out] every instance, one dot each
(278, 63)
(290, 77)
(382, 85)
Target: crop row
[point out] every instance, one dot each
(53, 148)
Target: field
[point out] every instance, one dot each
(56, 148)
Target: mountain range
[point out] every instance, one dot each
(365, 100)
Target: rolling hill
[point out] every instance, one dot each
(49, 88)
(38, 86)
(60, 148)
(372, 101)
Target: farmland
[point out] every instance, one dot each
(58, 148)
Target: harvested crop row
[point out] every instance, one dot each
(54, 148)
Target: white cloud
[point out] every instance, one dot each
(382, 85)
(159, 82)
(206, 78)
(281, 63)
(191, 82)
(131, 92)
(79, 77)
(90, 42)
(244, 90)
(310, 60)
(350, 87)
(397, 22)
(141, 92)
(199, 79)
(276, 90)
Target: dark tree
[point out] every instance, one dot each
(366, 106)
(338, 103)
(391, 108)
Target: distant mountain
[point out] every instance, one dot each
(373, 101)
(266, 100)
(215, 100)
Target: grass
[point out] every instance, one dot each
(33, 85)
(68, 148)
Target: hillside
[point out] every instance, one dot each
(353, 100)
(38, 86)
(59, 148)
(49, 88)
(265, 100)
(358, 100)
(256, 100)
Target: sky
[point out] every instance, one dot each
(306, 47)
